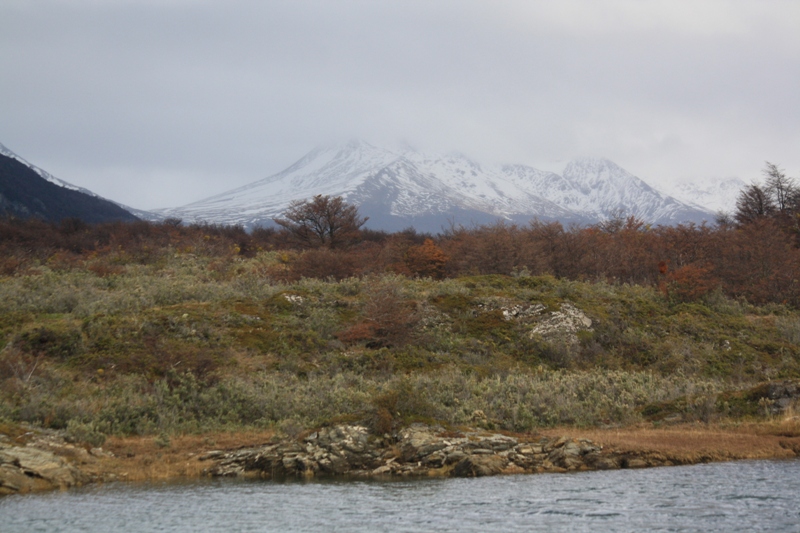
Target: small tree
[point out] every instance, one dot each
(690, 282)
(780, 187)
(752, 204)
(426, 260)
(778, 199)
(323, 221)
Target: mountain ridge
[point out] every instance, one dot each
(28, 191)
(717, 195)
(403, 188)
(138, 213)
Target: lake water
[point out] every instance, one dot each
(737, 496)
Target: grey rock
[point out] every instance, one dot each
(605, 463)
(478, 466)
(28, 468)
(454, 457)
(349, 450)
(563, 326)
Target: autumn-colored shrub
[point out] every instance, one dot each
(426, 260)
(690, 283)
(104, 269)
(10, 265)
(359, 332)
(324, 263)
(388, 317)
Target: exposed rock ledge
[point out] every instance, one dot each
(43, 459)
(418, 450)
(26, 469)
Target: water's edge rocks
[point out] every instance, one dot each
(418, 450)
(28, 469)
(40, 459)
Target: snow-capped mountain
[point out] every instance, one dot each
(398, 189)
(712, 194)
(604, 189)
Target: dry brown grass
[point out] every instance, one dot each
(691, 443)
(142, 458)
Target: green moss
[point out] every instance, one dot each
(262, 339)
(452, 303)
(661, 410)
(56, 341)
(280, 302)
(490, 325)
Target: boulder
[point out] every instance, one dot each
(563, 326)
(24, 469)
(480, 465)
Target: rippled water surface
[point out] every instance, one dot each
(740, 496)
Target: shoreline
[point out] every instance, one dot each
(415, 451)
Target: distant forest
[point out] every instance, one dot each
(752, 254)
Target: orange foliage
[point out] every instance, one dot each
(759, 261)
(427, 260)
(690, 282)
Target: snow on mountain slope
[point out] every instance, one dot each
(44, 174)
(401, 188)
(429, 184)
(401, 184)
(713, 195)
(337, 170)
(604, 189)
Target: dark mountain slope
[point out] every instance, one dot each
(23, 193)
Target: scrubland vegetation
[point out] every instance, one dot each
(161, 329)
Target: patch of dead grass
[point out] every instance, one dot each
(141, 458)
(690, 443)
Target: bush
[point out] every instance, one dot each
(51, 343)
(388, 317)
(79, 432)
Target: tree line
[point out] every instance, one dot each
(753, 254)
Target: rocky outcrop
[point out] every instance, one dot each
(778, 397)
(418, 450)
(563, 325)
(26, 469)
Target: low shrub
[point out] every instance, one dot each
(58, 344)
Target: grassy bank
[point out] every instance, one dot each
(189, 344)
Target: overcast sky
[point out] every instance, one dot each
(157, 103)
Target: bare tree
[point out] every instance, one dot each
(778, 199)
(323, 221)
(752, 204)
(780, 187)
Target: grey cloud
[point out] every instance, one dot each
(157, 104)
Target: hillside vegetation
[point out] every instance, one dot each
(162, 328)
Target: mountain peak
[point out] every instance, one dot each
(591, 165)
(6, 152)
(402, 187)
(358, 144)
